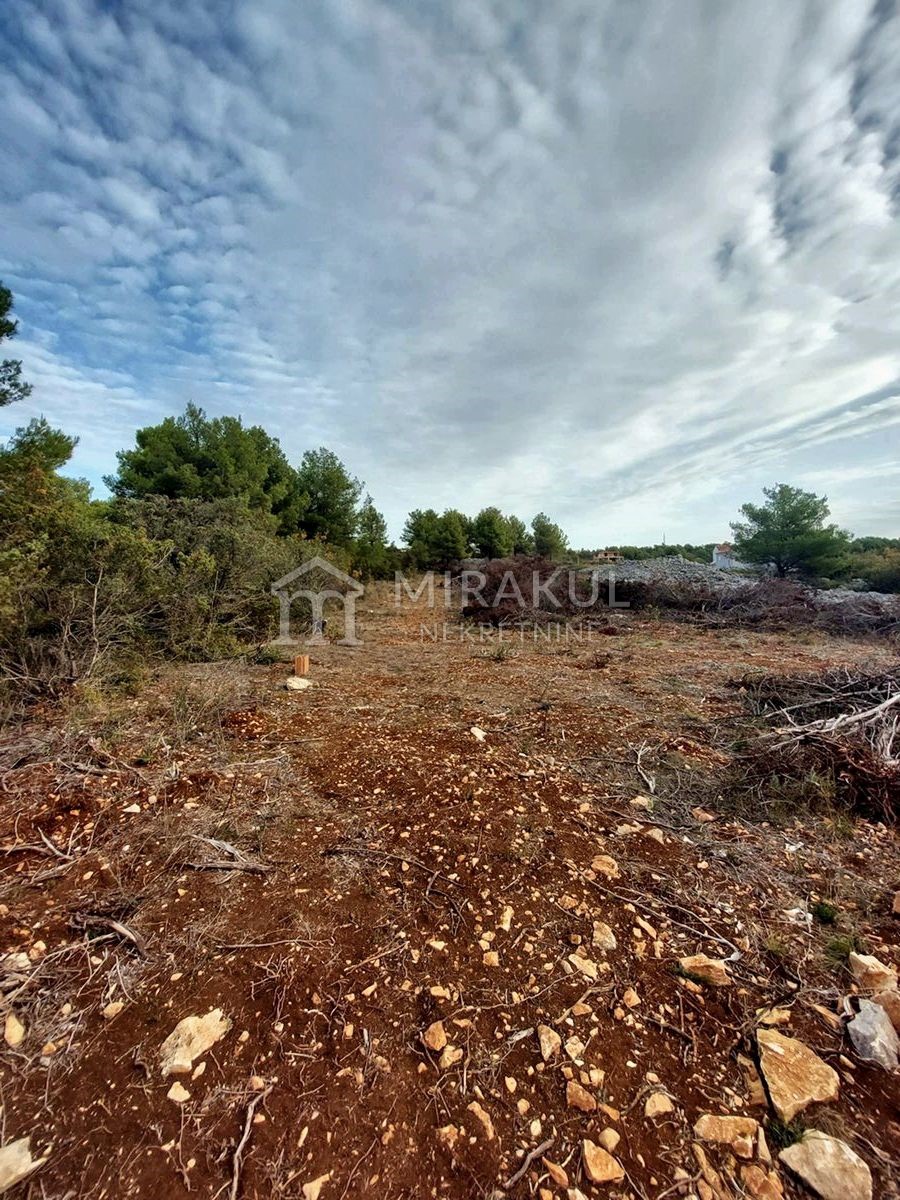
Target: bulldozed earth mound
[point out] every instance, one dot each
(463, 918)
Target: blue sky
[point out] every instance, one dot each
(625, 263)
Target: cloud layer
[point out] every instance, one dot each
(622, 262)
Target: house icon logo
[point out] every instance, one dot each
(316, 581)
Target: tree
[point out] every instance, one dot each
(549, 540)
(521, 540)
(370, 553)
(491, 534)
(12, 385)
(194, 457)
(331, 498)
(451, 538)
(789, 531)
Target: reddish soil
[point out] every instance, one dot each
(385, 841)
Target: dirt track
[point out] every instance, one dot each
(383, 846)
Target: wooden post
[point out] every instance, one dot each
(301, 664)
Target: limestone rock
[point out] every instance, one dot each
(112, 1010)
(603, 864)
(550, 1042)
(579, 1097)
(586, 966)
(13, 1031)
(190, 1038)
(434, 1037)
(297, 683)
(556, 1172)
(16, 1162)
(829, 1167)
(177, 1093)
(484, 1119)
(873, 1036)
(313, 1189)
(450, 1056)
(737, 1132)
(890, 1002)
(710, 970)
(603, 937)
(762, 1185)
(871, 974)
(599, 1165)
(796, 1077)
(609, 1139)
(657, 1105)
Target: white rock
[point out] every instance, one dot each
(829, 1167)
(297, 683)
(872, 974)
(873, 1036)
(189, 1039)
(14, 1031)
(16, 1162)
(796, 1077)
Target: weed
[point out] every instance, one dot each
(839, 948)
(825, 912)
(776, 947)
(782, 1134)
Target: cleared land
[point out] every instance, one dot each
(410, 841)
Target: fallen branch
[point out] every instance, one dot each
(527, 1161)
(245, 1138)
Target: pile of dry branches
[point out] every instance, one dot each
(844, 724)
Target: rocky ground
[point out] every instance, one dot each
(462, 918)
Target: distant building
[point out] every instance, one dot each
(605, 556)
(725, 558)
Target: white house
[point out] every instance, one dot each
(724, 557)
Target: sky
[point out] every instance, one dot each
(626, 263)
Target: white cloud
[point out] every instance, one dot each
(623, 263)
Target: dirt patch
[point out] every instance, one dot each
(420, 838)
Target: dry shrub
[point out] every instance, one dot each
(839, 728)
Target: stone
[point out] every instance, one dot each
(297, 683)
(579, 1097)
(603, 937)
(13, 1031)
(484, 1119)
(609, 1139)
(710, 1128)
(658, 1105)
(762, 1185)
(871, 974)
(603, 864)
(550, 1042)
(478, 734)
(450, 1056)
(16, 1162)
(575, 1049)
(113, 1009)
(630, 998)
(828, 1167)
(873, 1036)
(434, 1037)
(191, 1038)
(586, 966)
(448, 1136)
(556, 1173)
(313, 1189)
(599, 1164)
(713, 971)
(505, 922)
(491, 958)
(795, 1076)
(178, 1093)
(890, 1002)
